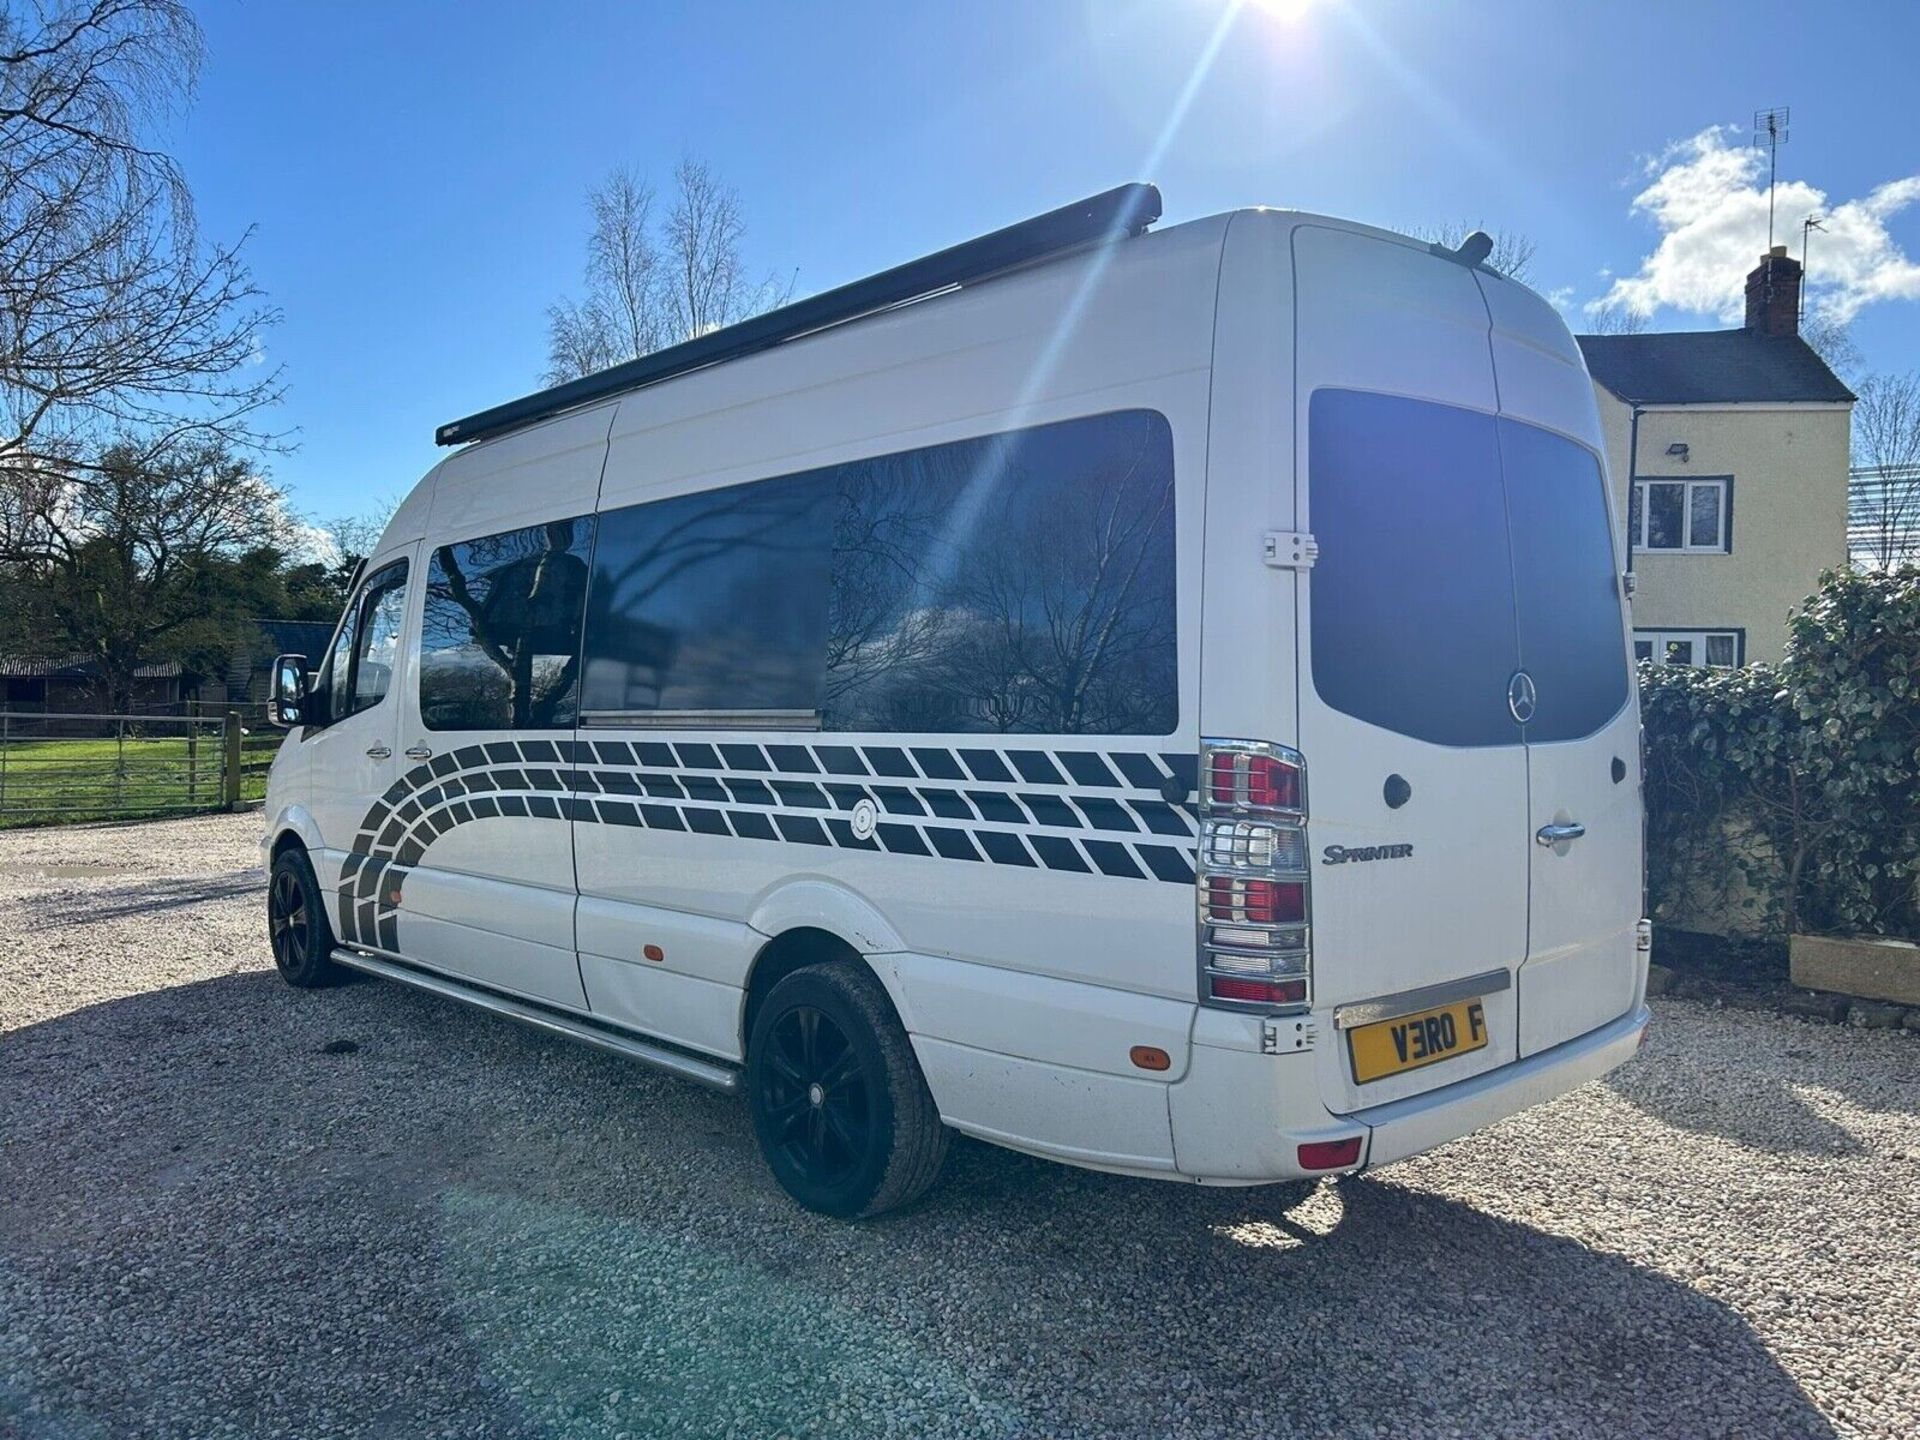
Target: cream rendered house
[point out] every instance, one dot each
(1737, 442)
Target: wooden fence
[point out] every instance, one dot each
(61, 768)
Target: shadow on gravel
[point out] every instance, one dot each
(1761, 1105)
(55, 909)
(459, 1226)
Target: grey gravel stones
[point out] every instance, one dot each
(215, 1222)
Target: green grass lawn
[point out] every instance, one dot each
(56, 782)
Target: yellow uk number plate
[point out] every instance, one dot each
(1392, 1047)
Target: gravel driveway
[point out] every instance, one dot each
(230, 1208)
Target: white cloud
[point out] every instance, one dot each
(1708, 196)
(311, 543)
(304, 541)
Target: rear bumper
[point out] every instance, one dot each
(1420, 1122)
(1239, 1117)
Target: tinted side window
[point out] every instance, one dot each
(500, 632)
(1413, 607)
(1018, 582)
(713, 602)
(1571, 638)
(1021, 582)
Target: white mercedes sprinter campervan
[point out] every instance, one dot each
(1158, 701)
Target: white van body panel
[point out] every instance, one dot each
(1026, 989)
(813, 903)
(1383, 314)
(1081, 1117)
(1250, 486)
(1036, 1017)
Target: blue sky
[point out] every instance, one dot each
(416, 172)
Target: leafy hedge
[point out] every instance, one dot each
(1791, 794)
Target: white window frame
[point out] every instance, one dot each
(1721, 483)
(1659, 638)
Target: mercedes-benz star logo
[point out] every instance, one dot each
(1520, 696)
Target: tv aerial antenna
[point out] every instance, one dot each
(1770, 130)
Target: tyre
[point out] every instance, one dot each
(840, 1108)
(297, 923)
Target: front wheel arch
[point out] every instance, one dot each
(299, 929)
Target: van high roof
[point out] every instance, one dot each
(1117, 214)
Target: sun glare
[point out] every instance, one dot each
(1287, 12)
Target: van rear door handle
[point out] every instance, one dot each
(1560, 834)
(378, 752)
(419, 752)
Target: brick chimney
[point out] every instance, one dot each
(1773, 295)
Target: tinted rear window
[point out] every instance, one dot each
(1565, 589)
(1456, 548)
(1015, 583)
(1413, 620)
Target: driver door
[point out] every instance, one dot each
(352, 758)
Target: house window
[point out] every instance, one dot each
(1709, 649)
(1691, 516)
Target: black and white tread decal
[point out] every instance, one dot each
(1087, 812)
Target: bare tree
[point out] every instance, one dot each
(651, 284)
(706, 281)
(623, 263)
(1832, 341)
(115, 318)
(1614, 319)
(580, 340)
(1884, 497)
(355, 536)
(1512, 252)
(622, 313)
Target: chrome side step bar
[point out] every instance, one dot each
(714, 1074)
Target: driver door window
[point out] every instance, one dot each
(360, 665)
(378, 648)
(339, 668)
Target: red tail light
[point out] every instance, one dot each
(1265, 782)
(1258, 992)
(1253, 876)
(1234, 901)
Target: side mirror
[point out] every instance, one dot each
(287, 702)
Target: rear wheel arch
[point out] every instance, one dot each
(840, 1107)
(797, 948)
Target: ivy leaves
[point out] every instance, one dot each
(1793, 792)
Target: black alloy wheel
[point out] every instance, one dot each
(287, 918)
(841, 1110)
(297, 923)
(815, 1097)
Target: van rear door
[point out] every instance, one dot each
(1583, 966)
(1416, 768)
